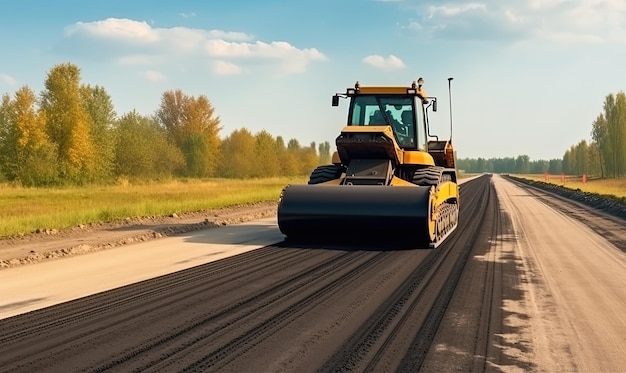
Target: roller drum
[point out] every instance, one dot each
(356, 212)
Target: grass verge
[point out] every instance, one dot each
(24, 210)
(609, 187)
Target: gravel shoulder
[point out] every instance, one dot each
(56, 244)
(571, 263)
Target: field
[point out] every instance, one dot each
(25, 210)
(614, 187)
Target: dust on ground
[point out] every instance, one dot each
(51, 244)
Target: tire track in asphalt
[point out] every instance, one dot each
(370, 308)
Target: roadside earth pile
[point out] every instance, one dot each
(609, 204)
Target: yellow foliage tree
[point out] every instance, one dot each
(68, 122)
(238, 159)
(192, 124)
(267, 162)
(27, 154)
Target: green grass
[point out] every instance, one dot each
(614, 187)
(23, 210)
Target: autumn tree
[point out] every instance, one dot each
(292, 158)
(143, 149)
(102, 116)
(600, 133)
(594, 166)
(28, 156)
(305, 158)
(192, 124)
(8, 140)
(609, 132)
(288, 159)
(582, 157)
(266, 155)
(615, 114)
(308, 159)
(68, 123)
(238, 155)
(324, 153)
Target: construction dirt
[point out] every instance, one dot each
(51, 244)
(47, 244)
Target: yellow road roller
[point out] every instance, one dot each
(390, 179)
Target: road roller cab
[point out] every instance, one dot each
(388, 173)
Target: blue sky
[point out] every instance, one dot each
(530, 76)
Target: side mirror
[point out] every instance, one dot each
(335, 100)
(434, 105)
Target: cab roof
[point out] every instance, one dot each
(383, 89)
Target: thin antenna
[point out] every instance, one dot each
(450, 101)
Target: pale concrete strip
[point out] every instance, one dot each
(31, 287)
(576, 293)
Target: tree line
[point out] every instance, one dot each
(514, 165)
(71, 134)
(604, 156)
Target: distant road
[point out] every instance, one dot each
(519, 286)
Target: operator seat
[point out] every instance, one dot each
(407, 118)
(407, 132)
(377, 118)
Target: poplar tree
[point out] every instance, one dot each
(266, 155)
(143, 150)
(238, 158)
(288, 159)
(27, 154)
(324, 153)
(68, 123)
(599, 133)
(522, 164)
(620, 134)
(8, 140)
(102, 116)
(192, 124)
(308, 159)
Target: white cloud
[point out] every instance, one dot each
(513, 17)
(153, 76)
(292, 60)
(226, 68)
(115, 28)
(8, 80)
(390, 63)
(136, 59)
(134, 42)
(560, 21)
(585, 21)
(187, 15)
(545, 4)
(451, 11)
(415, 26)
